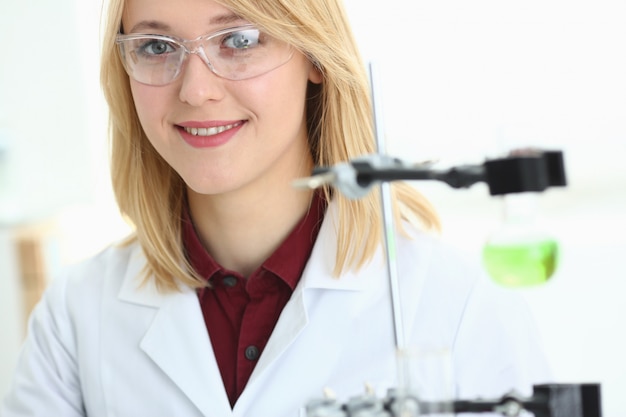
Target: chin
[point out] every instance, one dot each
(212, 187)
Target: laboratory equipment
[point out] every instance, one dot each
(508, 258)
(547, 400)
(519, 253)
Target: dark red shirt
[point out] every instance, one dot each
(240, 314)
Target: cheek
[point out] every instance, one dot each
(280, 97)
(150, 104)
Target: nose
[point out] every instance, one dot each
(199, 83)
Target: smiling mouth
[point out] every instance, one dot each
(210, 131)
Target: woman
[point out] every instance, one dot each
(239, 295)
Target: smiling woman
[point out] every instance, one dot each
(217, 302)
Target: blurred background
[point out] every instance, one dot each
(460, 81)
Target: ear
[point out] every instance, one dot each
(315, 75)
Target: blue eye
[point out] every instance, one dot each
(157, 47)
(243, 39)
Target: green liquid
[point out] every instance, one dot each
(521, 264)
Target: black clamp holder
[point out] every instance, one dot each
(529, 170)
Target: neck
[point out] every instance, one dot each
(242, 229)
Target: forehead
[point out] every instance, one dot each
(181, 17)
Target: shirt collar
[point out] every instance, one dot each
(289, 260)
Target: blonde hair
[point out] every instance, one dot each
(339, 112)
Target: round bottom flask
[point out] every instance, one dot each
(520, 253)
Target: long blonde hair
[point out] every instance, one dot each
(340, 126)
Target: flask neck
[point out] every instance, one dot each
(520, 208)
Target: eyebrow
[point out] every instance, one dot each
(222, 19)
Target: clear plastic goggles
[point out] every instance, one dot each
(236, 53)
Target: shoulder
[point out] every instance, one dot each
(82, 283)
(438, 280)
(427, 256)
(81, 296)
(113, 261)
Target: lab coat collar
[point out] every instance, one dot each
(176, 339)
(319, 274)
(178, 343)
(133, 289)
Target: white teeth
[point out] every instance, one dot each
(209, 131)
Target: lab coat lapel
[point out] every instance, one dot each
(178, 343)
(295, 338)
(316, 275)
(294, 320)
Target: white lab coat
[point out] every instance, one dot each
(101, 345)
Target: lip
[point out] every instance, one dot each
(218, 139)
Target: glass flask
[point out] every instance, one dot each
(520, 252)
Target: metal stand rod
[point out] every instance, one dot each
(387, 214)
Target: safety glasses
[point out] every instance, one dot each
(236, 53)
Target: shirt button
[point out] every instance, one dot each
(252, 353)
(229, 281)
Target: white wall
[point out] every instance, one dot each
(461, 80)
(42, 115)
(53, 152)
